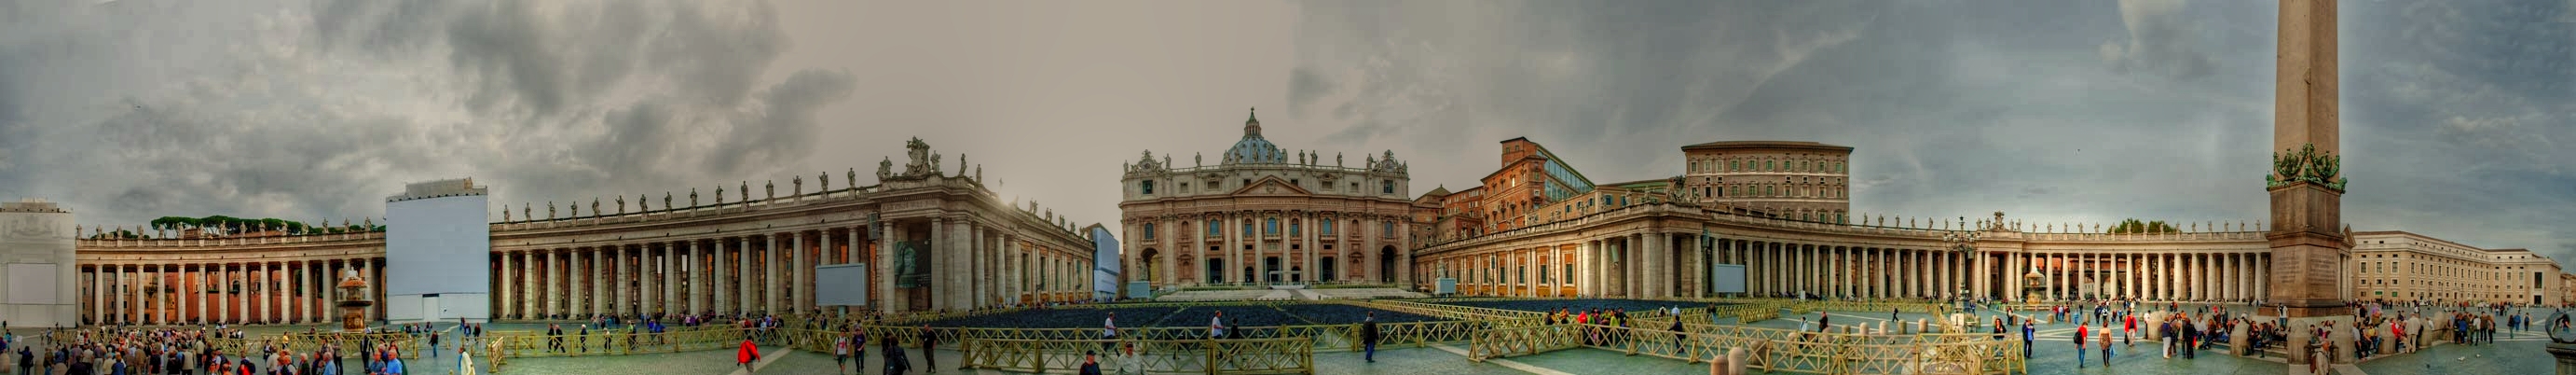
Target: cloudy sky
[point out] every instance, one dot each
(2459, 117)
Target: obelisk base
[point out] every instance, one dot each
(2566, 354)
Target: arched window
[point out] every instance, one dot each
(1292, 227)
(1386, 187)
(1149, 231)
(1270, 227)
(1215, 228)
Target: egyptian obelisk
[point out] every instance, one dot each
(2308, 238)
(2307, 234)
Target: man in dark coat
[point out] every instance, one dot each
(1368, 336)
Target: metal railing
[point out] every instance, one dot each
(1286, 355)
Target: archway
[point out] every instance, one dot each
(1324, 270)
(1148, 263)
(1386, 264)
(1215, 270)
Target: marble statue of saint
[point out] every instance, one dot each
(693, 197)
(885, 170)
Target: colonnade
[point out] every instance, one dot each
(1790, 268)
(1639, 264)
(748, 273)
(234, 292)
(976, 265)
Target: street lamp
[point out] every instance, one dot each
(1963, 243)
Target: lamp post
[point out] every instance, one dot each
(1963, 243)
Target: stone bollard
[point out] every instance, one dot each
(2343, 341)
(1882, 327)
(1736, 361)
(2236, 340)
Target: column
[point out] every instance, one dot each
(805, 267)
(659, 269)
(769, 273)
(698, 269)
(600, 289)
(883, 263)
(1233, 249)
(743, 258)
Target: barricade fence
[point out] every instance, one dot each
(1287, 355)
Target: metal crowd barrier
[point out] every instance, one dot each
(1287, 355)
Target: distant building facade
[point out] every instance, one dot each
(2401, 266)
(1806, 181)
(1263, 215)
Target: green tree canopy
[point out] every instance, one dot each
(2133, 225)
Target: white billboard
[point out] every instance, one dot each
(438, 251)
(841, 284)
(1726, 278)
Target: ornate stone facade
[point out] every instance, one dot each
(1302, 220)
(1639, 240)
(967, 249)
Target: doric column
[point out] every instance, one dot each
(772, 291)
(557, 306)
(594, 281)
(697, 269)
(744, 300)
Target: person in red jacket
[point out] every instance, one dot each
(747, 354)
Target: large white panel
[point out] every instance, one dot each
(1726, 278)
(841, 284)
(33, 283)
(403, 308)
(437, 245)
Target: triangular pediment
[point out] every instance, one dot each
(1271, 185)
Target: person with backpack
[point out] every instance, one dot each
(2080, 332)
(895, 363)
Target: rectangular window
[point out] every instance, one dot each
(1270, 227)
(1149, 187)
(1328, 227)
(1149, 231)
(1387, 229)
(1215, 229)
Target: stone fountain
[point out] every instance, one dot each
(353, 302)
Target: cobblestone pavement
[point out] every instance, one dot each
(2514, 352)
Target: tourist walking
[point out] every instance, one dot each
(930, 341)
(895, 361)
(2106, 347)
(841, 355)
(2080, 331)
(747, 354)
(1090, 363)
(2027, 335)
(1368, 337)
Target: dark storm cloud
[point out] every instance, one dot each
(312, 111)
(2054, 112)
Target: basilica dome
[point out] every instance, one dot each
(1253, 149)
